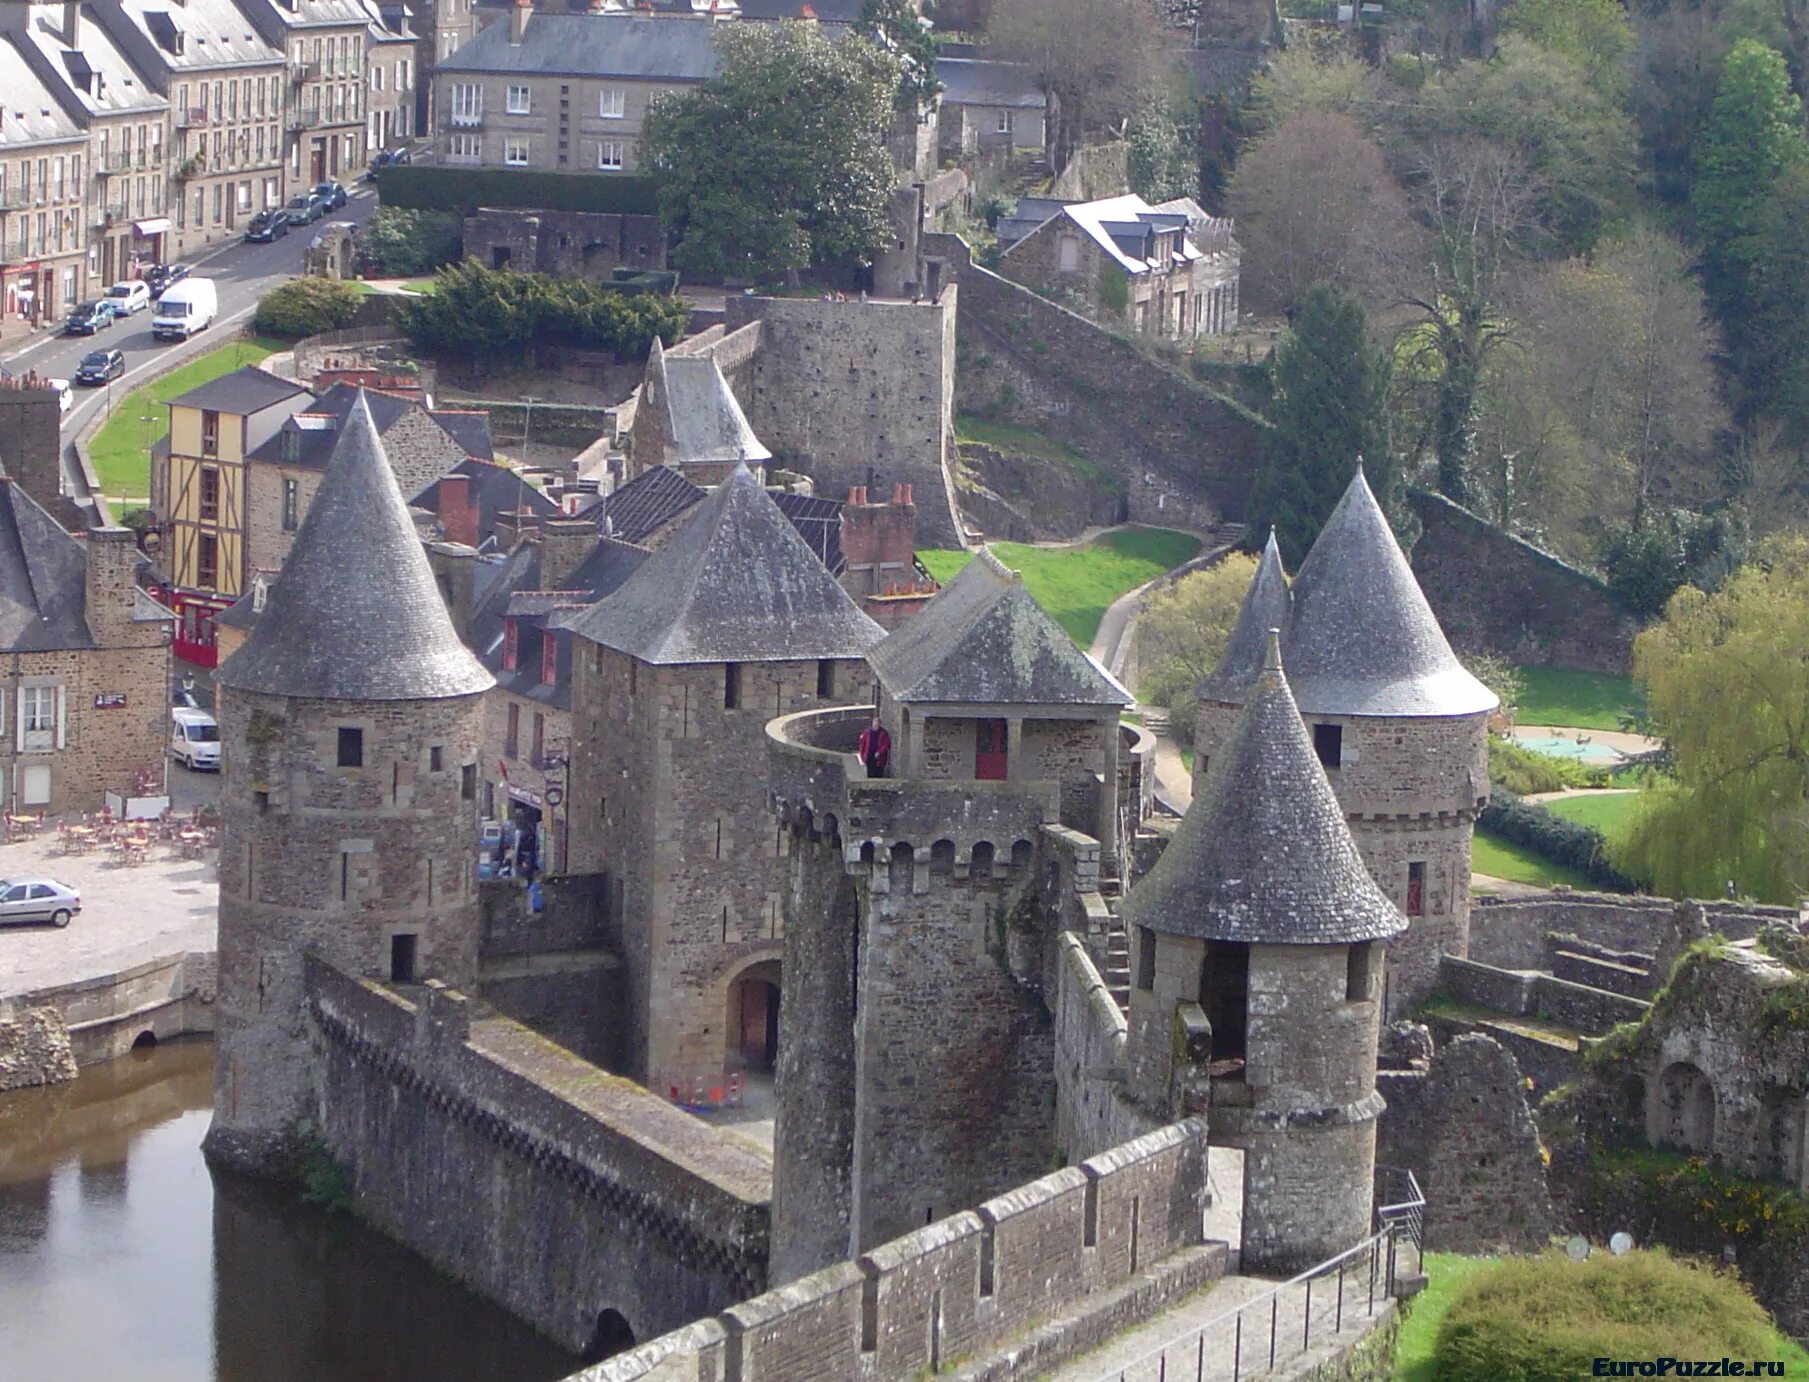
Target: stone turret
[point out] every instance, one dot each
(1256, 983)
(350, 726)
(1398, 724)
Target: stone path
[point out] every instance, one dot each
(1583, 792)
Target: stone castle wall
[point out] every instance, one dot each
(1498, 593)
(556, 1190)
(1091, 1112)
(953, 1288)
(1509, 932)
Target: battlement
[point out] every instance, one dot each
(818, 785)
(957, 1286)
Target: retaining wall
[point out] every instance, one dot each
(172, 995)
(1509, 932)
(1091, 1109)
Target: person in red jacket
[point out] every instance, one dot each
(875, 748)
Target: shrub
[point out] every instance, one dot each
(404, 243)
(306, 307)
(1526, 772)
(1530, 1319)
(426, 188)
(1550, 836)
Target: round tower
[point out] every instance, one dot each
(1256, 984)
(349, 724)
(1398, 724)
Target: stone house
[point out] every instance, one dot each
(84, 699)
(589, 244)
(284, 471)
(563, 92)
(1124, 262)
(43, 198)
(226, 88)
(675, 676)
(988, 106)
(687, 418)
(200, 495)
(482, 505)
(324, 43)
(391, 64)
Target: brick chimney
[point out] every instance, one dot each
(518, 21)
(564, 544)
(458, 519)
(515, 525)
(879, 542)
(110, 589)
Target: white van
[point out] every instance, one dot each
(184, 309)
(195, 739)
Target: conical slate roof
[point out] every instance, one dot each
(984, 641)
(1266, 606)
(703, 422)
(735, 584)
(1264, 855)
(1362, 640)
(357, 615)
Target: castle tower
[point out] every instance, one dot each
(350, 723)
(1399, 726)
(1260, 930)
(675, 675)
(917, 1076)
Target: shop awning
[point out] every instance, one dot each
(155, 227)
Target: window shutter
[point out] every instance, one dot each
(62, 716)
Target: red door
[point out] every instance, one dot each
(989, 750)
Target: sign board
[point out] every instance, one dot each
(110, 700)
(554, 795)
(523, 795)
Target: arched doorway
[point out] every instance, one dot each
(1685, 1114)
(754, 1017)
(613, 1335)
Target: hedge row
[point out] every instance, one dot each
(426, 187)
(1577, 846)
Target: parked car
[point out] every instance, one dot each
(126, 298)
(195, 739)
(332, 196)
(304, 209)
(85, 318)
(160, 276)
(388, 158)
(24, 900)
(267, 226)
(98, 366)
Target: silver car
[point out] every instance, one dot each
(37, 899)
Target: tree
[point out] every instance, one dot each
(778, 162)
(1596, 35)
(895, 27)
(1102, 60)
(400, 242)
(1182, 630)
(1315, 201)
(1752, 134)
(1325, 417)
(1299, 80)
(1724, 684)
(306, 307)
(1162, 152)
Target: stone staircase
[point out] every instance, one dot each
(1112, 952)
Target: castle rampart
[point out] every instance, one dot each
(557, 1190)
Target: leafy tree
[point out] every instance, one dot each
(1770, 335)
(1596, 35)
(1162, 152)
(400, 242)
(1299, 80)
(1325, 416)
(1724, 683)
(1182, 630)
(306, 307)
(779, 162)
(1315, 201)
(895, 27)
(1753, 134)
(1102, 60)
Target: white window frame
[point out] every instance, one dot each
(467, 103)
(512, 147)
(42, 721)
(1005, 122)
(608, 149)
(465, 148)
(520, 99)
(612, 103)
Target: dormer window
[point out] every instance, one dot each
(511, 646)
(549, 658)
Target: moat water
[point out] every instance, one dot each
(122, 1255)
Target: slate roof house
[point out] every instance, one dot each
(988, 105)
(83, 694)
(688, 418)
(1122, 261)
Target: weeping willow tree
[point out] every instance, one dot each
(1727, 684)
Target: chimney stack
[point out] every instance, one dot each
(518, 21)
(564, 544)
(458, 520)
(72, 23)
(879, 542)
(110, 588)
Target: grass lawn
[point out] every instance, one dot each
(1612, 813)
(1585, 700)
(1024, 441)
(419, 285)
(1499, 859)
(1075, 584)
(1445, 1272)
(121, 450)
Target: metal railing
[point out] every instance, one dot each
(14, 198)
(188, 117)
(304, 118)
(1264, 1330)
(116, 161)
(304, 71)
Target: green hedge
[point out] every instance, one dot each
(1550, 836)
(425, 187)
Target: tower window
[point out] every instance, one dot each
(436, 758)
(1356, 972)
(825, 678)
(402, 957)
(1416, 888)
(468, 781)
(1146, 959)
(731, 685)
(351, 747)
(1328, 743)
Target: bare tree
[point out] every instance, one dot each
(1102, 60)
(1315, 201)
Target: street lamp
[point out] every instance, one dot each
(527, 424)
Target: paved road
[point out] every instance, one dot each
(244, 273)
